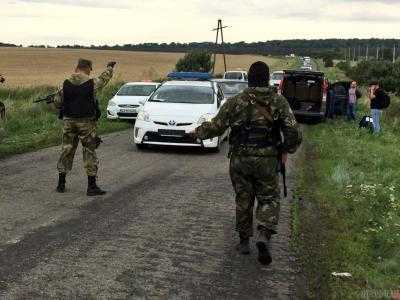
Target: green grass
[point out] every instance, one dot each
(347, 208)
(31, 126)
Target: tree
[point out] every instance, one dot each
(195, 61)
(328, 59)
(387, 73)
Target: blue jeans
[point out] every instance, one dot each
(351, 111)
(376, 117)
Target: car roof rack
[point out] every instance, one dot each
(190, 76)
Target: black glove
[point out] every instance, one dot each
(111, 64)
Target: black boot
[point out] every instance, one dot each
(93, 189)
(243, 247)
(263, 246)
(61, 183)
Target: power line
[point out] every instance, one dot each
(219, 29)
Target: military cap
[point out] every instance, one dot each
(258, 74)
(85, 63)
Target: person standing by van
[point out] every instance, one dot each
(354, 94)
(376, 97)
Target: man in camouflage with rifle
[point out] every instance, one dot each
(258, 118)
(2, 106)
(79, 110)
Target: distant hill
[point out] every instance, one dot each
(8, 45)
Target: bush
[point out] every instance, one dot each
(328, 62)
(387, 73)
(344, 66)
(195, 61)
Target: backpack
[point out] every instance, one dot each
(385, 101)
(366, 122)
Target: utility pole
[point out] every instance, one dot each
(377, 53)
(354, 54)
(366, 53)
(219, 29)
(394, 53)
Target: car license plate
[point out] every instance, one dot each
(131, 110)
(169, 132)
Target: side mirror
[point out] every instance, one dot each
(141, 102)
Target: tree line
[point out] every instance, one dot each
(338, 48)
(335, 48)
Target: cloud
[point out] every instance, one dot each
(135, 21)
(84, 3)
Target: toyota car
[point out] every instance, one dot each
(125, 103)
(176, 108)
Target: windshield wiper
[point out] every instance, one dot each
(156, 100)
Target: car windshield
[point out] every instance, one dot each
(233, 87)
(184, 94)
(136, 90)
(233, 75)
(277, 76)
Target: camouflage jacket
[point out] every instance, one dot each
(80, 78)
(235, 112)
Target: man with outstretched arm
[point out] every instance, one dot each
(257, 118)
(80, 111)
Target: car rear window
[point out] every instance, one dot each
(277, 76)
(234, 75)
(233, 87)
(136, 90)
(184, 94)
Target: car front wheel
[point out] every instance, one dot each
(141, 146)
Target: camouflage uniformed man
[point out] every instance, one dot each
(79, 110)
(2, 106)
(258, 117)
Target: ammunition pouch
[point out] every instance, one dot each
(251, 135)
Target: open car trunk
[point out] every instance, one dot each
(304, 91)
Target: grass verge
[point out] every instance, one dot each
(31, 126)
(347, 210)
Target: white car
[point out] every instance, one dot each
(126, 102)
(175, 109)
(276, 78)
(236, 75)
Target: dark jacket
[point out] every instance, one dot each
(377, 102)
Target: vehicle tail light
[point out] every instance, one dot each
(280, 87)
(325, 89)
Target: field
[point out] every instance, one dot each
(27, 67)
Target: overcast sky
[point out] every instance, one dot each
(88, 22)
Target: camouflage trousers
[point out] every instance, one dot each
(73, 132)
(255, 178)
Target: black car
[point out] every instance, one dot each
(340, 91)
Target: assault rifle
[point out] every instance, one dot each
(282, 170)
(48, 99)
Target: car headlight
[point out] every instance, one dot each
(205, 118)
(111, 103)
(143, 116)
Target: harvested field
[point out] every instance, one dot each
(32, 67)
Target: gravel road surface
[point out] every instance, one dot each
(165, 230)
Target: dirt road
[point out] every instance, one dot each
(164, 230)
